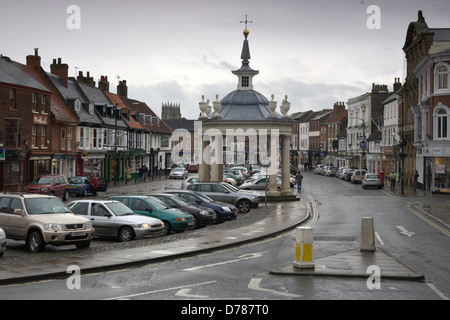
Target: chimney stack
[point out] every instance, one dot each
(338, 107)
(86, 80)
(61, 70)
(34, 61)
(122, 89)
(103, 83)
(397, 84)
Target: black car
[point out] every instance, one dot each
(224, 211)
(203, 215)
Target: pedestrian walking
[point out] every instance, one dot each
(393, 176)
(299, 178)
(144, 172)
(416, 178)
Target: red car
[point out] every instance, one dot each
(193, 168)
(51, 184)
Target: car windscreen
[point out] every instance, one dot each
(119, 208)
(43, 180)
(75, 180)
(157, 204)
(45, 206)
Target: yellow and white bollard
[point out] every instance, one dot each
(304, 251)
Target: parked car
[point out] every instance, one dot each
(254, 169)
(331, 171)
(174, 219)
(348, 174)
(371, 180)
(224, 211)
(357, 176)
(244, 170)
(178, 173)
(2, 242)
(258, 184)
(318, 169)
(50, 184)
(189, 180)
(239, 177)
(193, 168)
(224, 192)
(83, 185)
(340, 172)
(114, 219)
(203, 215)
(41, 220)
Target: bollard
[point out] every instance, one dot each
(304, 253)
(367, 234)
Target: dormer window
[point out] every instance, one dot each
(77, 105)
(91, 108)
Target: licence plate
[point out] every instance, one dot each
(190, 223)
(77, 234)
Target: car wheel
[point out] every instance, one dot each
(167, 228)
(84, 244)
(126, 234)
(66, 195)
(244, 206)
(35, 242)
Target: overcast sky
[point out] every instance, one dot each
(316, 52)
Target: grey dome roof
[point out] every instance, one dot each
(244, 105)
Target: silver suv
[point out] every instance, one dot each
(225, 192)
(41, 220)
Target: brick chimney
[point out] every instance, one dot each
(122, 89)
(397, 84)
(34, 61)
(86, 80)
(103, 83)
(61, 70)
(338, 107)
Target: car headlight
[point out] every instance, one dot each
(180, 219)
(88, 225)
(144, 226)
(2, 233)
(44, 189)
(226, 209)
(52, 227)
(204, 213)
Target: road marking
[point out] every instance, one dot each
(160, 290)
(185, 293)
(379, 238)
(255, 282)
(405, 232)
(315, 212)
(240, 258)
(437, 291)
(411, 208)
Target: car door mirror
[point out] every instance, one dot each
(19, 212)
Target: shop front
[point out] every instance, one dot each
(436, 167)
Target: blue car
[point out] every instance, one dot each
(83, 186)
(225, 211)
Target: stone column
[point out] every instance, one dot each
(272, 148)
(285, 167)
(217, 161)
(203, 167)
